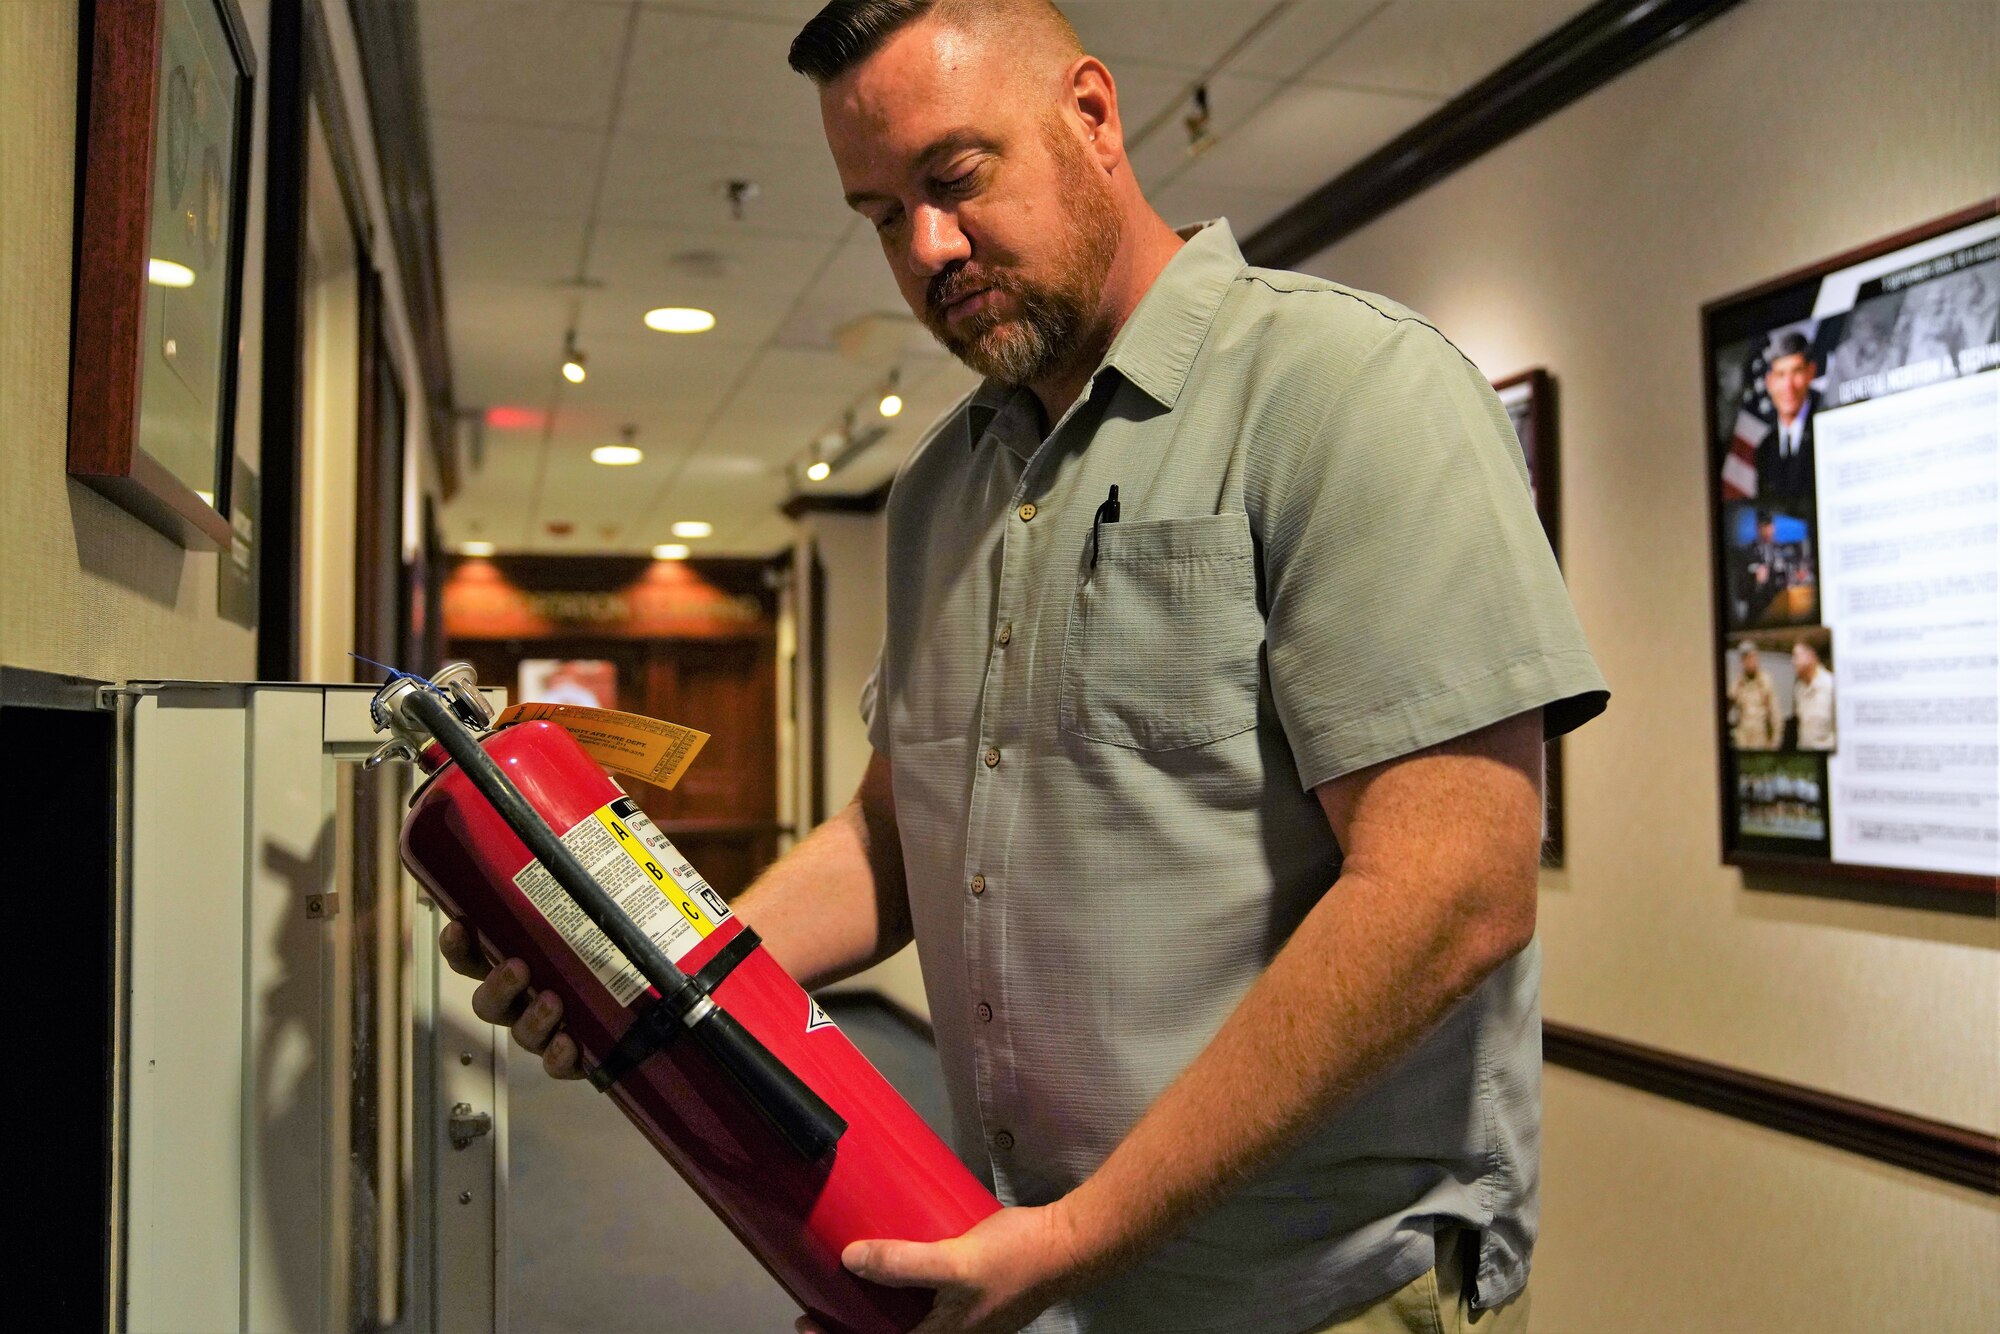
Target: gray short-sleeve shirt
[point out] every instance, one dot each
(1104, 737)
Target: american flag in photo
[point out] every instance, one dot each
(1754, 415)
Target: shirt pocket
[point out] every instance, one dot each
(1161, 648)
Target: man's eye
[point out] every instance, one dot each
(888, 220)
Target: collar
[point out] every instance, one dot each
(1161, 338)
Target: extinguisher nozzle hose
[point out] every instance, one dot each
(799, 1116)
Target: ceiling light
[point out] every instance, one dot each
(671, 551)
(820, 471)
(573, 368)
(166, 273)
(476, 548)
(617, 456)
(680, 319)
(693, 528)
(892, 401)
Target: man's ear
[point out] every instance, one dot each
(1094, 98)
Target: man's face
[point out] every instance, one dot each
(1788, 380)
(998, 225)
(1804, 662)
(1767, 532)
(1750, 664)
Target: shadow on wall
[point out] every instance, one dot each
(1912, 912)
(290, 1114)
(119, 549)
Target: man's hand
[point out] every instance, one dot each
(503, 997)
(993, 1280)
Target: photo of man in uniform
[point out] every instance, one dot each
(1812, 699)
(1785, 456)
(1754, 723)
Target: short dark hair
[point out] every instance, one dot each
(847, 32)
(1792, 344)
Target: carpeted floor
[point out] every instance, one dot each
(604, 1238)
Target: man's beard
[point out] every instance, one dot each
(1048, 326)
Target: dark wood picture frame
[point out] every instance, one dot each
(123, 42)
(1534, 391)
(1769, 305)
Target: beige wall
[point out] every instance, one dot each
(85, 588)
(1659, 1218)
(1781, 134)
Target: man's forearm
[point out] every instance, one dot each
(836, 903)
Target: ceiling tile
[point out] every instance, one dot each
(486, 166)
(717, 78)
(521, 60)
(1305, 137)
(508, 247)
(1161, 156)
(1439, 47)
(1191, 201)
(1177, 34)
(1299, 36)
(657, 176)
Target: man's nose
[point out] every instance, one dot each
(936, 241)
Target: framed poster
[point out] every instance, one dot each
(1530, 400)
(159, 262)
(1854, 476)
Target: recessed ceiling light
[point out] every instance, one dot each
(617, 456)
(693, 528)
(680, 319)
(671, 551)
(820, 471)
(166, 273)
(476, 548)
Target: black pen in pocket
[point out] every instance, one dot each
(1106, 513)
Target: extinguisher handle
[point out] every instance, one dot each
(800, 1116)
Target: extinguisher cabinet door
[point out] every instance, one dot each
(308, 1122)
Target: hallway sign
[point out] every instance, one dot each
(1854, 463)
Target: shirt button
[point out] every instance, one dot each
(1003, 1141)
(985, 1013)
(992, 756)
(1006, 635)
(1026, 511)
(979, 884)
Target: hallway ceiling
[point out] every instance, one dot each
(584, 149)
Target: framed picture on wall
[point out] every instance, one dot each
(1530, 400)
(1853, 468)
(159, 262)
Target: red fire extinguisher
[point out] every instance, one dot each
(719, 1058)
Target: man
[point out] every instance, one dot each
(1226, 1077)
(1767, 571)
(1812, 699)
(1785, 456)
(1753, 706)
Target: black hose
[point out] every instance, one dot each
(800, 1116)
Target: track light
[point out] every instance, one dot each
(820, 471)
(573, 367)
(892, 402)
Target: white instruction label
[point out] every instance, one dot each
(646, 877)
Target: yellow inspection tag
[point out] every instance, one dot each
(625, 743)
(649, 859)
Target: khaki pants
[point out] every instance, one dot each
(1434, 1303)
